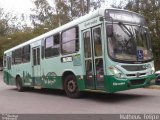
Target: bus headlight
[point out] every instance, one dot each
(116, 72)
(151, 69)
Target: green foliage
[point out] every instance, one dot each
(3, 23)
(42, 13)
(62, 12)
(75, 8)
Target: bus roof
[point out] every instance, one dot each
(99, 12)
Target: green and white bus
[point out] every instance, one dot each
(108, 50)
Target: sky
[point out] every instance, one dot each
(18, 7)
(24, 6)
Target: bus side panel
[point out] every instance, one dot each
(6, 76)
(26, 74)
(23, 70)
(49, 73)
(7, 71)
(52, 70)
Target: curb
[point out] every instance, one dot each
(153, 87)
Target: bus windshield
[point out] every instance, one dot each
(130, 43)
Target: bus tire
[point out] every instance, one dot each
(70, 87)
(19, 84)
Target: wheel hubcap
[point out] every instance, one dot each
(71, 86)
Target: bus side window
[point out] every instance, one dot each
(70, 41)
(52, 45)
(26, 54)
(56, 42)
(48, 46)
(18, 56)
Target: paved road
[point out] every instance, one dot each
(55, 102)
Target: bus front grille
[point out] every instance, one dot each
(135, 75)
(134, 67)
(137, 81)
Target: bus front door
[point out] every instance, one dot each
(36, 66)
(93, 58)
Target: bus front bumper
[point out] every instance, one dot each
(113, 84)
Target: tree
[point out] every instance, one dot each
(62, 12)
(4, 27)
(42, 14)
(120, 5)
(9, 28)
(75, 8)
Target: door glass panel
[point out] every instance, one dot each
(34, 57)
(93, 58)
(89, 75)
(97, 41)
(38, 56)
(99, 72)
(87, 45)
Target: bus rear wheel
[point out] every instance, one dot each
(70, 87)
(19, 84)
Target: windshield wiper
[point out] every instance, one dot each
(129, 33)
(125, 29)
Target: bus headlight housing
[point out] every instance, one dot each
(116, 72)
(152, 69)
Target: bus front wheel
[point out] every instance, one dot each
(70, 87)
(19, 84)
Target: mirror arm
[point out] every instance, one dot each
(101, 18)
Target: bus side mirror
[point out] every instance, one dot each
(109, 30)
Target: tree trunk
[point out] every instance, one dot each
(88, 6)
(82, 7)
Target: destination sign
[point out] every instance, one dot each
(125, 16)
(67, 59)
